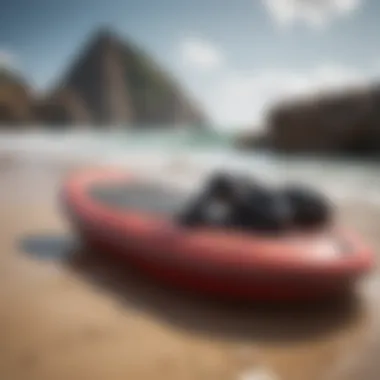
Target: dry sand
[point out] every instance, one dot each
(82, 317)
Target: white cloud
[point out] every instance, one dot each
(315, 13)
(200, 54)
(243, 98)
(236, 98)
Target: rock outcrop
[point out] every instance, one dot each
(119, 84)
(16, 101)
(251, 140)
(337, 123)
(63, 108)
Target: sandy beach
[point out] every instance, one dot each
(78, 316)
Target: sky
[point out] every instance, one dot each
(235, 57)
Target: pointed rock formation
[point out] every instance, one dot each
(119, 84)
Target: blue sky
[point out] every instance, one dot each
(234, 56)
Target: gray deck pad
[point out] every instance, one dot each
(144, 197)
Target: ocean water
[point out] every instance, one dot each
(182, 157)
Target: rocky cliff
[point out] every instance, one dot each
(347, 122)
(16, 101)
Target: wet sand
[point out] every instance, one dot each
(79, 316)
